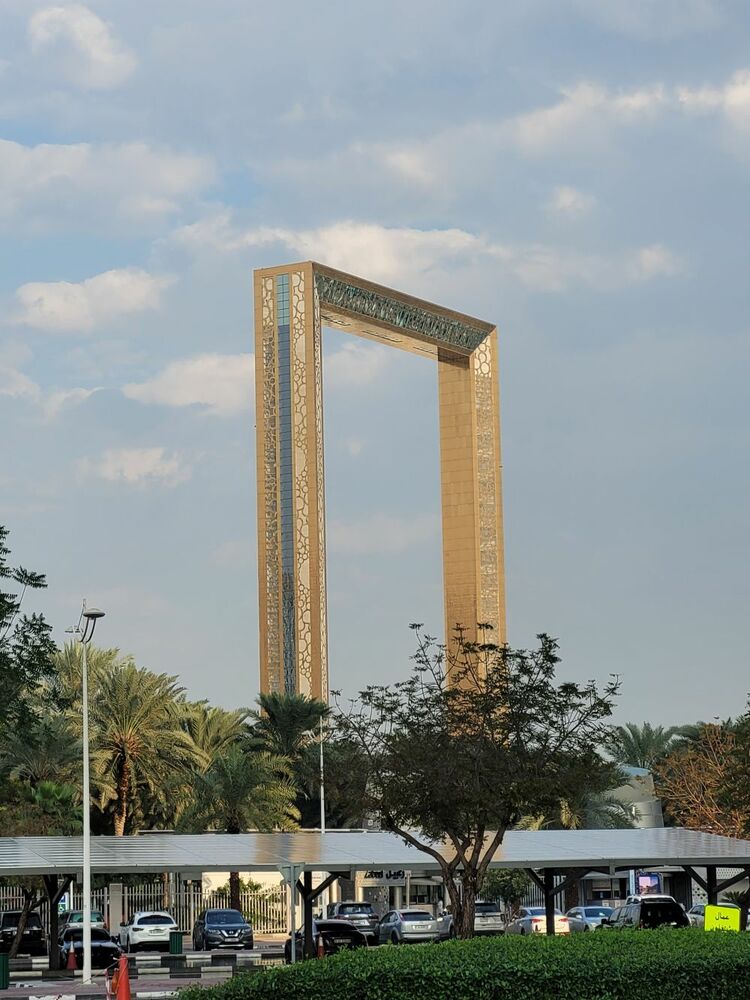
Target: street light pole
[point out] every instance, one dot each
(89, 618)
(322, 783)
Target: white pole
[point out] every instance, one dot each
(322, 783)
(86, 820)
(293, 913)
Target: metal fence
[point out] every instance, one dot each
(265, 908)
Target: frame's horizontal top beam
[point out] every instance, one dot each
(362, 306)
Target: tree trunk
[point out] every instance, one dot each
(234, 891)
(165, 890)
(571, 896)
(123, 794)
(464, 919)
(28, 901)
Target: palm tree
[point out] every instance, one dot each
(645, 745)
(285, 723)
(137, 742)
(213, 730)
(65, 686)
(243, 791)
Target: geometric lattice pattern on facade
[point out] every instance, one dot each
(292, 303)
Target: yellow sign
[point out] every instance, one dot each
(721, 918)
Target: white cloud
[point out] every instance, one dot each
(582, 106)
(16, 385)
(355, 364)
(81, 45)
(82, 306)
(129, 182)
(137, 466)
(570, 202)
(222, 383)
(62, 399)
(400, 254)
(379, 533)
(733, 99)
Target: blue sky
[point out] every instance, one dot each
(574, 170)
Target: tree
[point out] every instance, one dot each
(25, 643)
(137, 742)
(645, 745)
(472, 741)
(286, 723)
(44, 749)
(699, 783)
(242, 791)
(345, 769)
(508, 885)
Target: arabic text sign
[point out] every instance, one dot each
(396, 876)
(721, 918)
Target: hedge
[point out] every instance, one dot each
(616, 965)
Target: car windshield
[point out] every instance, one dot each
(654, 913)
(97, 917)
(224, 917)
(598, 911)
(416, 915)
(155, 919)
(347, 908)
(97, 934)
(33, 920)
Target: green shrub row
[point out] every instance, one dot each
(647, 965)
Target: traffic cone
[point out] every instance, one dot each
(122, 988)
(71, 964)
(320, 950)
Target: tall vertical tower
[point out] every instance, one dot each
(291, 303)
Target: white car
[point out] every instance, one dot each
(488, 920)
(532, 920)
(147, 930)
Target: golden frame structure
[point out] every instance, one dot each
(292, 304)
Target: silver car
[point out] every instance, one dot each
(407, 927)
(588, 918)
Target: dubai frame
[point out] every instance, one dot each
(292, 303)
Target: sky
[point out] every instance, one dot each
(575, 171)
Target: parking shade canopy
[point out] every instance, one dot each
(351, 850)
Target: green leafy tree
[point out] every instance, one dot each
(345, 769)
(506, 885)
(242, 791)
(26, 644)
(476, 738)
(46, 748)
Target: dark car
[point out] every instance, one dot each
(221, 929)
(336, 935)
(34, 941)
(104, 951)
(362, 915)
(646, 914)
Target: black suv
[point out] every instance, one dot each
(362, 915)
(33, 942)
(646, 914)
(221, 929)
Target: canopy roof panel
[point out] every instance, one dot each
(354, 850)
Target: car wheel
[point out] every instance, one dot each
(452, 933)
(586, 927)
(394, 938)
(523, 930)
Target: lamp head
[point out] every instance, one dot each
(92, 614)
